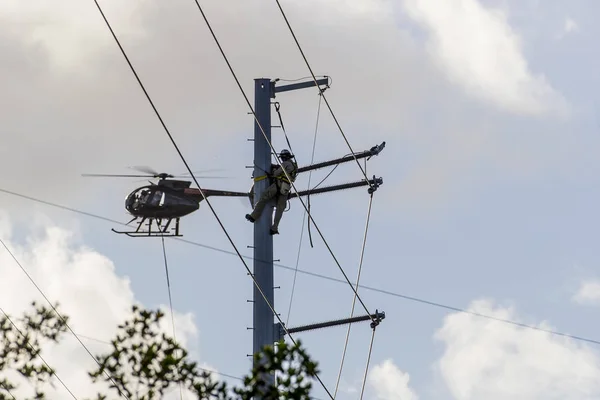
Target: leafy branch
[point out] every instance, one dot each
(144, 362)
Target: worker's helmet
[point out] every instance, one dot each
(285, 154)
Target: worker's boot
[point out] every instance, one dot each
(274, 231)
(249, 218)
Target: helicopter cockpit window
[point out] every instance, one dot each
(144, 196)
(139, 198)
(155, 199)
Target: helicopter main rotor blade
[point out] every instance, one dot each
(201, 171)
(118, 176)
(145, 169)
(204, 177)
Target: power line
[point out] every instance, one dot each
(59, 315)
(212, 371)
(8, 390)
(164, 250)
(168, 285)
(362, 392)
(321, 92)
(360, 264)
(312, 158)
(192, 175)
(36, 352)
(277, 158)
(326, 277)
(105, 342)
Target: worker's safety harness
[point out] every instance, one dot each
(284, 183)
(282, 180)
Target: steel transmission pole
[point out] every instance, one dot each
(264, 328)
(265, 331)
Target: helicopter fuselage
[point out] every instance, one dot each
(170, 199)
(156, 202)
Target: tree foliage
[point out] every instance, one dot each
(145, 363)
(19, 349)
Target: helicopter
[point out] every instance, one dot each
(164, 202)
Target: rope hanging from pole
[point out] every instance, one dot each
(277, 108)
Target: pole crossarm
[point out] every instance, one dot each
(373, 151)
(373, 183)
(296, 86)
(376, 320)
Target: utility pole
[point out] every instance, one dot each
(263, 241)
(265, 331)
(264, 327)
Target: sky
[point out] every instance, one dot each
(489, 201)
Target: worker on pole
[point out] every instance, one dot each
(279, 189)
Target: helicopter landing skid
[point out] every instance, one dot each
(162, 231)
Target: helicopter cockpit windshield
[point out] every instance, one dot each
(146, 198)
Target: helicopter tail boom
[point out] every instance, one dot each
(212, 192)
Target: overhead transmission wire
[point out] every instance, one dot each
(364, 383)
(277, 158)
(316, 83)
(164, 250)
(9, 392)
(362, 392)
(60, 316)
(278, 108)
(312, 158)
(345, 138)
(91, 338)
(36, 351)
(322, 276)
(194, 178)
(212, 371)
(360, 264)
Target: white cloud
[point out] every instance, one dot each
(588, 293)
(72, 105)
(390, 383)
(70, 31)
(570, 26)
(485, 359)
(89, 291)
(478, 50)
